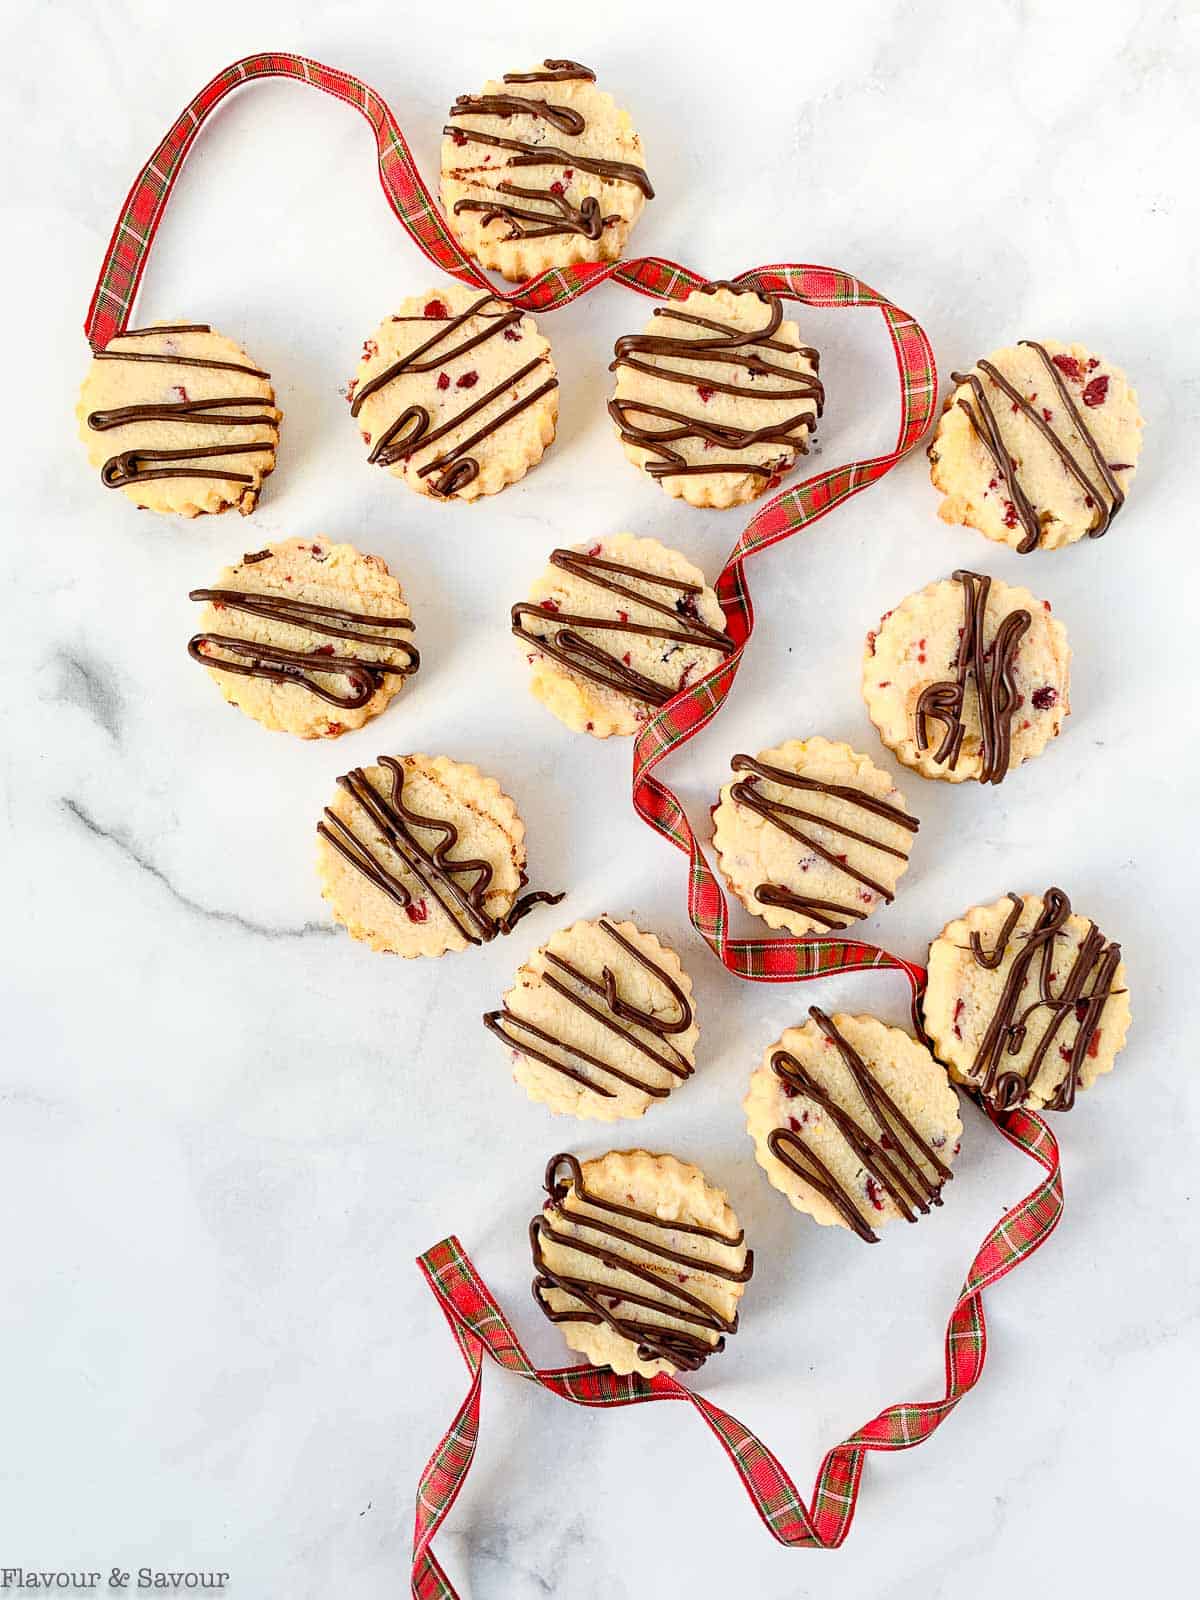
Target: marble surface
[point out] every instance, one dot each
(225, 1130)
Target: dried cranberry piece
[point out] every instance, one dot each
(417, 911)
(467, 381)
(436, 308)
(443, 381)
(1096, 392)
(1045, 697)
(1010, 514)
(686, 607)
(513, 335)
(874, 1193)
(550, 605)
(557, 188)
(458, 136)
(704, 392)
(1067, 365)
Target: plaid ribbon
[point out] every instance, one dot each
(477, 1322)
(481, 1328)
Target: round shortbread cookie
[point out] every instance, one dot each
(600, 1021)
(718, 397)
(811, 836)
(180, 419)
(308, 636)
(967, 678)
(420, 855)
(542, 169)
(1037, 445)
(854, 1121)
(1027, 1002)
(457, 394)
(672, 1305)
(657, 628)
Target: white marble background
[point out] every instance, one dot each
(225, 1130)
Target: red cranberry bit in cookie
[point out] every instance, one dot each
(686, 606)
(568, 172)
(418, 911)
(513, 335)
(550, 605)
(626, 660)
(1093, 1048)
(704, 392)
(595, 549)
(467, 381)
(1096, 392)
(1068, 366)
(557, 188)
(370, 349)
(1010, 514)
(1093, 364)
(334, 728)
(959, 1007)
(1047, 414)
(181, 392)
(622, 616)
(324, 650)
(874, 1193)
(458, 136)
(1045, 698)
(436, 308)
(443, 381)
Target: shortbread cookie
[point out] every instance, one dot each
(600, 1021)
(1037, 445)
(718, 397)
(615, 628)
(811, 836)
(542, 170)
(968, 678)
(1027, 1002)
(456, 394)
(179, 418)
(640, 1261)
(308, 636)
(854, 1121)
(421, 854)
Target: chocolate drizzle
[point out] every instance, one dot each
(550, 211)
(746, 793)
(991, 666)
(410, 431)
(892, 1158)
(726, 345)
(593, 1302)
(619, 1017)
(437, 871)
(1096, 961)
(141, 464)
(1107, 496)
(566, 644)
(555, 72)
(305, 668)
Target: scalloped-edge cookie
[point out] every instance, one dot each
(967, 678)
(639, 1260)
(614, 629)
(1037, 445)
(309, 637)
(811, 836)
(717, 398)
(456, 394)
(180, 419)
(420, 855)
(1027, 1001)
(854, 1121)
(542, 169)
(600, 1021)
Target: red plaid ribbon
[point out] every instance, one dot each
(476, 1320)
(481, 1328)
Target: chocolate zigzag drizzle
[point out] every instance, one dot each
(305, 668)
(1096, 960)
(621, 1018)
(601, 666)
(747, 793)
(723, 345)
(435, 869)
(410, 431)
(142, 465)
(995, 689)
(889, 1159)
(1107, 496)
(557, 215)
(681, 1346)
